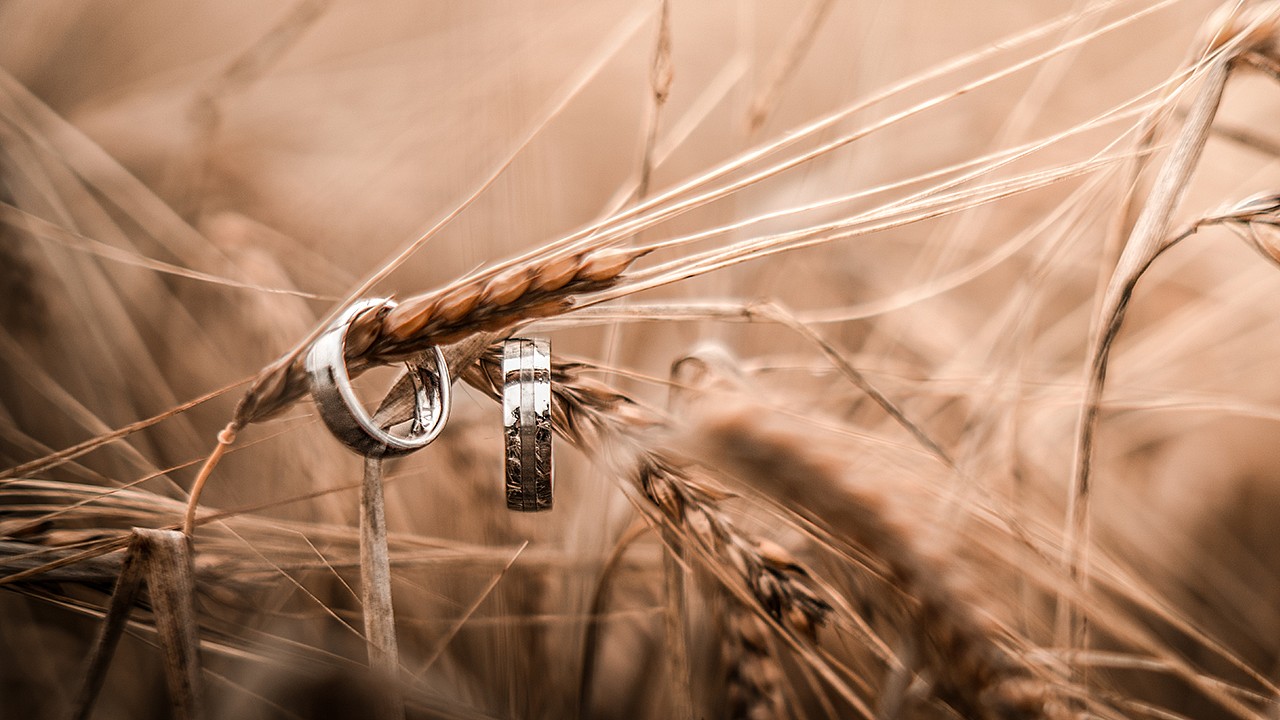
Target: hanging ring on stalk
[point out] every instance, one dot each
(526, 419)
(341, 410)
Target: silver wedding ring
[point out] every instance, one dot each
(341, 409)
(526, 413)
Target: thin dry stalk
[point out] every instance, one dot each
(661, 75)
(375, 592)
(1145, 243)
(127, 590)
(591, 639)
(1149, 238)
(171, 582)
(781, 315)
(677, 648)
(785, 62)
(163, 559)
(42, 229)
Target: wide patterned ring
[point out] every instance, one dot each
(526, 414)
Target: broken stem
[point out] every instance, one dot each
(375, 591)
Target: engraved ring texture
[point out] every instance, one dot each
(526, 414)
(341, 410)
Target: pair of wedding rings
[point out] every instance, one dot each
(526, 406)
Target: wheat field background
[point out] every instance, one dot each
(822, 406)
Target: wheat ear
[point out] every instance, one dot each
(964, 655)
(382, 336)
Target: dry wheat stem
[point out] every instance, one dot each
(128, 587)
(1202, 51)
(161, 558)
(225, 542)
(591, 635)
(456, 626)
(95, 549)
(54, 514)
(661, 74)
(226, 438)
(709, 99)
(945, 241)
(268, 654)
(259, 654)
(1118, 622)
(746, 311)
(48, 130)
(781, 315)
(876, 98)
(375, 592)
(649, 214)
(38, 377)
(171, 585)
(693, 310)
(149, 634)
(924, 204)
(1147, 240)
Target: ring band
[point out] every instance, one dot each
(526, 413)
(341, 410)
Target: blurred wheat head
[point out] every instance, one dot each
(833, 289)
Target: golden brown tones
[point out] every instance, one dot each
(834, 289)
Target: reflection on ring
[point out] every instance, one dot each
(341, 409)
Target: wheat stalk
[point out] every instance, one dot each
(1230, 34)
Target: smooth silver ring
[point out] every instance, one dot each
(341, 410)
(526, 416)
